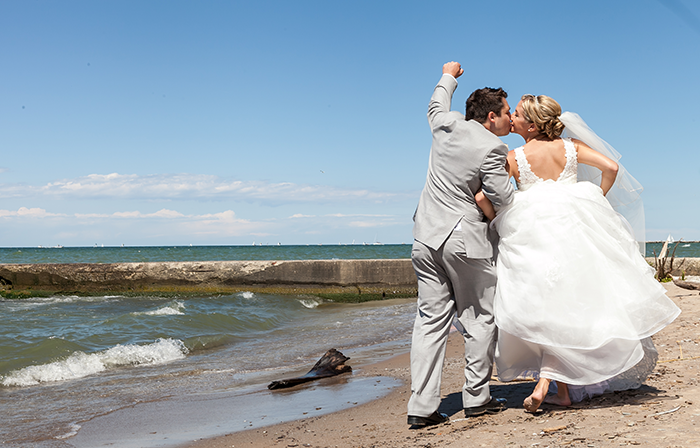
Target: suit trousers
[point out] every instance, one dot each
(450, 283)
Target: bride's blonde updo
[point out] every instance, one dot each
(544, 112)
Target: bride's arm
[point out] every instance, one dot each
(512, 166)
(485, 205)
(483, 202)
(607, 166)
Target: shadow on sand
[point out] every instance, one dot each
(516, 392)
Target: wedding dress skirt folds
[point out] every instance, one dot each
(574, 299)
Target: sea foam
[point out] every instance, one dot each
(173, 308)
(80, 364)
(309, 303)
(74, 428)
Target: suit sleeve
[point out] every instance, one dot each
(495, 180)
(441, 102)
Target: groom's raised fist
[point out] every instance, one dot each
(453, 68)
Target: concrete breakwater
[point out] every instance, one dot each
(332, 278)
(371, 278)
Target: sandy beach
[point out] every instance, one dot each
(662, 413)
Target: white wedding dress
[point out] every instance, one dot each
(575, 301)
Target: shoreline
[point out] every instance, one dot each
(395, 366)
(663, 412)
(178, 420)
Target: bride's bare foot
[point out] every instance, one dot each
(533, 402)
(561, 398)
(557, 400)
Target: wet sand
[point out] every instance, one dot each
(662, 413)
(184, 419)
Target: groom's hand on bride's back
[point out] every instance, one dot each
(453, 68)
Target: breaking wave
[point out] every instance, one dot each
(173, 308)
(80, 364)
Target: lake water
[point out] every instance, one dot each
(222, 253)
(66, 360)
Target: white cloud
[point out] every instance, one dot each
(370, 224)
(225, 224)
(126, 215)
(341, 215)
(25, 212)
(37, 226)
(92, 215)
(227, 217)
(164, 213)
(190, 186)
(202, 221)
(352, 220)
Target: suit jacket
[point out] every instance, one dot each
(464, 157)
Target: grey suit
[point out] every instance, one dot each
(452, 252)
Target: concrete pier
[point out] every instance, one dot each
(331, 278)
(380, 278)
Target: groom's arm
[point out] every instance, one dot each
(441, 101)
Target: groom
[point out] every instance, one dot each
(452, 253)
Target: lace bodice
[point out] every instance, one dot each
(528, 178)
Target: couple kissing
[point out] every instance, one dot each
(546, 280)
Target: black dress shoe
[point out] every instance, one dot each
(433, 419)
(493, 406)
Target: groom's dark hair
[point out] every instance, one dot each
(483, 101)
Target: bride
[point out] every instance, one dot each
(575, 301)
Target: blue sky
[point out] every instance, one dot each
(224, 122)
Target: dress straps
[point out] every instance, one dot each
(528, 177)
(571, 167)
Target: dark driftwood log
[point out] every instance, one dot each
(330, 364)
(686, 285)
